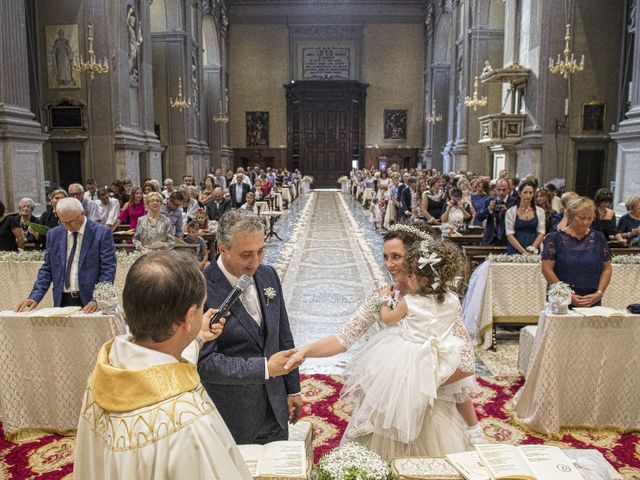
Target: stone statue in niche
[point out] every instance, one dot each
(135, 41)
(63, 60)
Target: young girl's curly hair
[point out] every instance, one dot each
(438, 276)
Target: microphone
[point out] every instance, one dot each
(243, 282)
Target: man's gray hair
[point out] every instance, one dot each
(69, 204)
(238, 221)
(77, 185)
(27, 201)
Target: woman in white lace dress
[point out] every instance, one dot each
(454, 403)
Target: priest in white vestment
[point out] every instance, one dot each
(145, 414)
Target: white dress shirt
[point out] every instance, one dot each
(250, 302)
(74, 285)
(108, 214)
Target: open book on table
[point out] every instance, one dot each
(508, 462)
(283, 460)
(600, 312)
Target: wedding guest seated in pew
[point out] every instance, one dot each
(11, 237)
(50, 218)
(80, 253)
(605, 219)
(218, 206)
(250, 203)
(578, 255)
(133, 209)
(629, 224)
(192, 238)
(108, 209)
(559, 220)
(205, 226)
(154, 230)
(458, 212)
(147, 386)
(25, 217)
(525, 223)
(206, 195)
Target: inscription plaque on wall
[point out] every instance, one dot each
(326, 63)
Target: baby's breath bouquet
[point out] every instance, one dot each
(626, 259)
(343, 179)
(107, 295)
(559, 297)
(352, 461)
(517, 258)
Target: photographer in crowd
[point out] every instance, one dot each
(493, 214)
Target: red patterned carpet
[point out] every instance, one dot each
(50, 457)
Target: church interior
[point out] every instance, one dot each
(330, 102)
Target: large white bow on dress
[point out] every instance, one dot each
(439, 360)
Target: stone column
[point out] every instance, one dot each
(440, 74)
(628, 135)
(21, 137)
(226, 151)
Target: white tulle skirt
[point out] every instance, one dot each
(391, 415)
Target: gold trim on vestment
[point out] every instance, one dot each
(120, 390)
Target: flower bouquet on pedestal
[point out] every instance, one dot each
(352, 461)
(559, 298)
(344, 183)
(307, 180)
(108, 297)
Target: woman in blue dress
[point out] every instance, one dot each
(479, 196)
(525, 223)
(578, 255)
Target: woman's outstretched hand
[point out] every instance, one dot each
(295, 359)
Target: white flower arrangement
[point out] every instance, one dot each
(374, 303)
(343, 179)
(503, 258)
(124, 257)
(105, 291)
(626, 259)
(269, 293)
(307, 179)
(352, 461)
(372, 260)
(22, 256)
(560, 290)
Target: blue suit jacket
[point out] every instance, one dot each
(232, 367)
(97, 262)
(494, 229)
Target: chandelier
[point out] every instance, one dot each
(568, 66)
(220, 118)
(475, 101)
(180, 103)
(91, 66)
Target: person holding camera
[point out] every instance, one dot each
(457, 212)
(493, 215)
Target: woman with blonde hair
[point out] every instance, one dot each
(629, 224)
(578, 255)
(154, 230)
(559, 220)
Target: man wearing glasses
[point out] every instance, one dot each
(80, 253)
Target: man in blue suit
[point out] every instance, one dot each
(243, 370)
(79, 254)
(493, 212)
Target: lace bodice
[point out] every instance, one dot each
(367, 315)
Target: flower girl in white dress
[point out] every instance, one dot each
(393, 383)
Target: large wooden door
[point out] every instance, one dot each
(589, 171)
(325, 128)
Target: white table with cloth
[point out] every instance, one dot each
(516, 293)
(46, 362)
(582, 373)
(17, 279)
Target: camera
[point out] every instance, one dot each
(455, 203)
(500, 203)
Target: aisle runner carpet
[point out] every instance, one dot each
(50, 457)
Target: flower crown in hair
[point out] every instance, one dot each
(427, 257)
(399, 227)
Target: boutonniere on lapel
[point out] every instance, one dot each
(269, 294)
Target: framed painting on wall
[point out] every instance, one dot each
(593, 117)
(395, 124)
(62, 51)
(257, 129)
